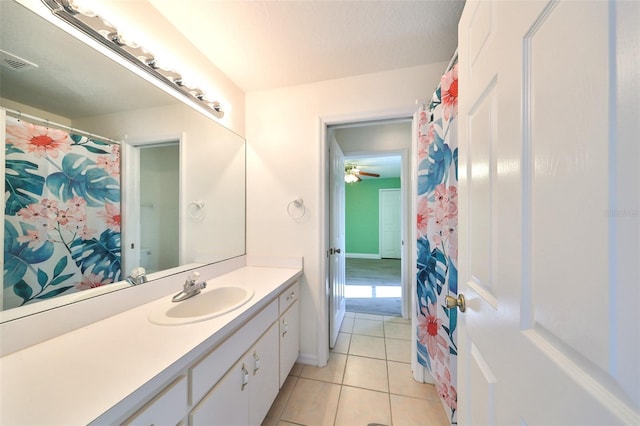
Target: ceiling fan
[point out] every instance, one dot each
(352, 173)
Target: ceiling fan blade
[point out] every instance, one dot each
(368, 174)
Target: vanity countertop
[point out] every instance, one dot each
(75, 378)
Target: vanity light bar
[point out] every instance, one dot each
(107, 35)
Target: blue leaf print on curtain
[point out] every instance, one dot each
(62, 216)
(19, 183)
(437, 273)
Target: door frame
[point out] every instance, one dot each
(130, 186)
(408, 167)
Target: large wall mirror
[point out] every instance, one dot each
(104, 172)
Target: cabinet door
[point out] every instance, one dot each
(289, 340)
(263, 380)
(227, 404)
(167, 408)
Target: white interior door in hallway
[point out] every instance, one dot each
(390, 202)
(336, 253)
(549, 213)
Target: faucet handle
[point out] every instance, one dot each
(194, 276)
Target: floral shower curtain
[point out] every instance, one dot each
(62, 213)
(437, 221)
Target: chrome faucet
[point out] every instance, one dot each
(138, 276)
(190, 288)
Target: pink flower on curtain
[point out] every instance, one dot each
(424, 140)
(449, 93)
(50, 205)
(428, 326)
(424, 214)
(34, 237)
(77, 203)
(111, 164)
(63, 217)
(446, 390)
(446, 201)
(111, 216)
(87, 233)
(33, 213)
(92, 281)
(39, 140)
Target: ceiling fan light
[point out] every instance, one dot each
(351, 178)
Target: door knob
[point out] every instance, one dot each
(337, 251)
(452, 302)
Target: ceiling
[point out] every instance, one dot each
(268, 44)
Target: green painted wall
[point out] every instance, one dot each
(362, 215)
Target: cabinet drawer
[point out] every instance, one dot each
(289, 340)
(213, 366)
(167, 408)
(289, 296)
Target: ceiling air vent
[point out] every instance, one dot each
(14, 62)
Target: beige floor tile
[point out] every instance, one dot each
(369, 316)
(389, 318)
(395, 330)
(312, 403)
(286, 424)
(269, 421)
(347, 325)
(362, 407)
(349, 314)
(367, 346)
(281, 400)
(401, 382)
(368, 327)
(342, 343)
(366, 373)
(332, 372)
(398, 350)
(406, 411)
(296, 369)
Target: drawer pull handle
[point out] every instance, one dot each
(292, 295)
(286, 327)
(245, 377)
(257, 363)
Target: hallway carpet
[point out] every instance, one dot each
(373, 274)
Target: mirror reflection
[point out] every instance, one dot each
(104, 172)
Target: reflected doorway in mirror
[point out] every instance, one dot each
(152, 200)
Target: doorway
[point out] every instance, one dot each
(153, 196)
(376, 282)
(373, 237)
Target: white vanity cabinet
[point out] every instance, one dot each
(174, 375)
(289, 328)
(168, 407)
(236, 382)
(245, 394)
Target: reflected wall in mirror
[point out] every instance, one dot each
(191, 214)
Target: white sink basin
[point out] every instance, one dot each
(206, 305)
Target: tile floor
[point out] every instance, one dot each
(368, 380)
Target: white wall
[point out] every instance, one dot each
(382, 138)
(286, 160)
(212, 160)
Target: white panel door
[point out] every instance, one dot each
(336, 276)
(549, 213)
(390, 204)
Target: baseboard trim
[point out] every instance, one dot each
(363, 255)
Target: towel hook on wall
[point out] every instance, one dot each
(196, 210)
(297, 204)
